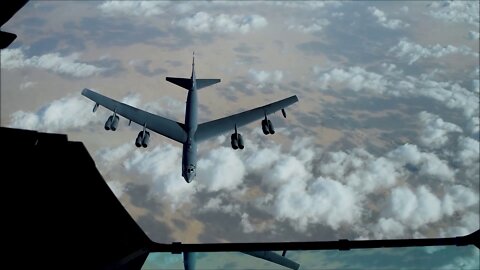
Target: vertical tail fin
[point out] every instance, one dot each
(187, 83)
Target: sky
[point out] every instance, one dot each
(383, 143)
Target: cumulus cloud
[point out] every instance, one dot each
(388, 228)
(314, 25)
(354, 78)
(414, 208)
(435, 131)
(263, 77)
(394, 83)
(427, 164)
(26, 85)
(162, 166)
(218, 163)
(412, 52)
(456, 11)
(359, 170)
(468, 151)
(54, 62)
(322, 201)
(203, 22)
(458, 198)
(60, 115)
(383, 21)
(132, 8)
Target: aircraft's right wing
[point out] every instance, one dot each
(160, 125)
(222, 125)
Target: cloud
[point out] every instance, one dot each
(412, 52)
(468, 151)
(414, 208)
(354, 78)
(132, 8)
(322, 201)
(435, 130)
(314, 25)
(360, 170)
(161, 166)
(263, 77)
(383, 21)
(455, 11)
(54, 62)
(473, 35)
(458, 198)
(203, 22)
(388, 228)
(117, 187)
(26, 85)
(58, 116)
(427, 164)
(218, 163)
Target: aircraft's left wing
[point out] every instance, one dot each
(216, 127)
(160, 125)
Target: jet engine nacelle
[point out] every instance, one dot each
(271, 130)
(146, 139)
(267, 127)
(237, 141)
(108, 124)
(114, 124)
(240, 141)
(234, 141)
(139, 140)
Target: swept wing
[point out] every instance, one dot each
(158, 124)
(216, 127)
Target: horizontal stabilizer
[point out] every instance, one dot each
(182, 82)
(275, 258)
(202, 83)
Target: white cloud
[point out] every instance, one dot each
(162, 166)
(203, 22)
(456, 11)
(412, 52)
(388, 228)
(214, 168)
(58, 116)
(383, 21)
(322, 201)
(25, 85)
(458, 198)
(54, 62)
(108, 157)
(311, 27)
(133, 8)
(263, 77)
(117, 187)
(428, 164)
(474, 35)
(435, 130)
(414, 209)
(354, 78)
(468, 151)
(360, 170)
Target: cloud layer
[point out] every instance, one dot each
(53, 62)
(203, 22)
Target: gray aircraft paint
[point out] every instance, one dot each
(189, 133)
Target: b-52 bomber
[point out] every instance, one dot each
(189, 133)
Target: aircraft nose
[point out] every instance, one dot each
(189, 177)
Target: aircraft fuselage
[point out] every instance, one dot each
(189, 155)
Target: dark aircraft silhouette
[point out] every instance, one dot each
(66, 203)
(8, 10)
(190, 133)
